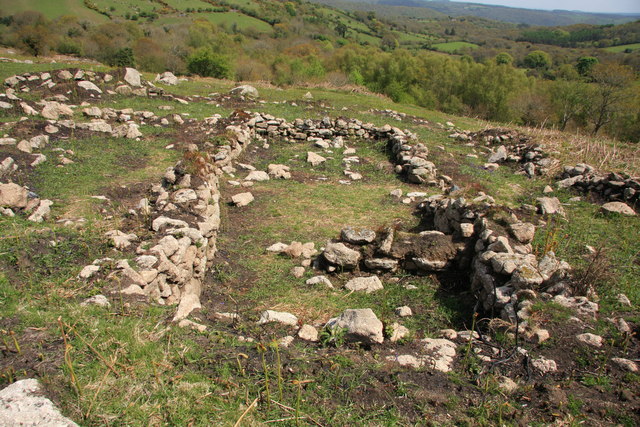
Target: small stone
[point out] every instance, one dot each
(549, 206)
(590, 339)
(315, 159)
(282, 317)
(624, 300)
(466, 229)
(507, 385)
(242, 199)
(540, 336)
(320, 280)
(524, 232)
(449, 334)
(366, 284)
(625, 364)
(257, 176)
(308, 333)
(99, 300)
(297, 272)
(398, 332)
(357, 237)
(88, 271)
(286, 341)
(406, 360)
(544, 365)
(361, 325)
(439, 353)
(277, 247)
(341, 255)
(404, 311)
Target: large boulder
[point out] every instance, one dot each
(167, 78)
(89, 86)
(132, 77)
(618, 207)
(23, 404)
(549, 206)
(361, 325)
(245, 90)
(13, 196)
(53, 110)
(340, 255)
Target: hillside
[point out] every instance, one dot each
(498, 13)
(189, 252)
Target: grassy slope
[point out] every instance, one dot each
(173, 376)
(451, 47)
(52, 9)
(623, 47)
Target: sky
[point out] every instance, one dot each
(607, 6)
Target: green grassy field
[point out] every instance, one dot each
(622, 48)
(452, 47)
(243, 22)
(53, 9)
(181, 5)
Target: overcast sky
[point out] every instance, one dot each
(609, 6)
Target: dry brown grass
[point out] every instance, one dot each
(604, 154)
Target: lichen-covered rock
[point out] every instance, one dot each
(364, 284)
(357, 237)
(361, 325)
(342, 256)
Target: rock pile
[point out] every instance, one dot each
(510, 147)
(613, 187)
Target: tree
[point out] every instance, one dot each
(585, 65)
(33, 32)
(611, 88)
(341, 29)
(205, 63)
(503, 58)
(123, 58)
(538, 60)
(568, 99)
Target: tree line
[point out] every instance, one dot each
(585, 95)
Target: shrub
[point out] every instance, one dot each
(205, 63)
(123, 58)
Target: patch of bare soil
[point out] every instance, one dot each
(38, 353)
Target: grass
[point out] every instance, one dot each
(54, 9)
(623, 48)
(243, 22)
(453, 47)
(168, 375)
(99, 163)
(184, 4)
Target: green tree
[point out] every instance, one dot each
(538, 60)
(205, 63)
(585, 65)
(610, 90)
(341, 29)
(503, 58)
(568, 98)
(123, 58)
